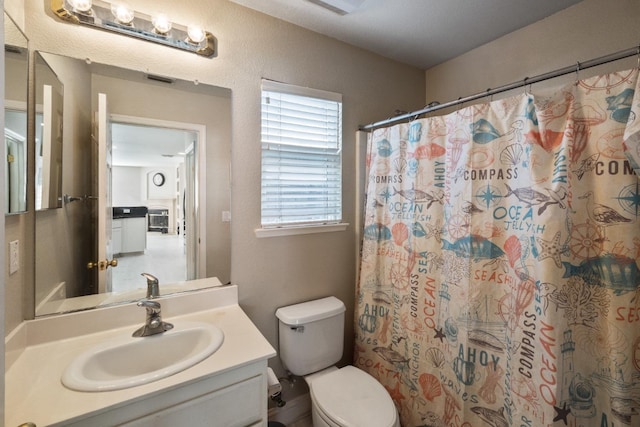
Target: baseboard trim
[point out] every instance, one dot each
(295, 409)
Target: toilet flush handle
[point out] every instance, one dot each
(298, 328)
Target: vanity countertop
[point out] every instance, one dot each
(35, 393)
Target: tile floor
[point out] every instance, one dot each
(165, 258)
(304, 422)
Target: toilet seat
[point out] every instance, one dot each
(350, 397)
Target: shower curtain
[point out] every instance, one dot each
(499, 276)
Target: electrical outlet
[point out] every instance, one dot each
(226, 216)
(14, 256)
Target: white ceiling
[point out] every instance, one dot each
(148, 146)
(422, 33)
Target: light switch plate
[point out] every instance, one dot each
(14, 256)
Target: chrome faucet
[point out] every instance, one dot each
(153, 290)
(153, 323)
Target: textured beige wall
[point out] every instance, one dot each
(17, 227)
(270, 272)
(587, 30)
(15, 9)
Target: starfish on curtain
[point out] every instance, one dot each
(439, 334)
(551, 249)
(562, 413)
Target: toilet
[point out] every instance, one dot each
(311, 342)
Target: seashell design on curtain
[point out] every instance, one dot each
(499, 277)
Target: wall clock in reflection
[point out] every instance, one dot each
(158, 179)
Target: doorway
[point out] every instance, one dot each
(155, 168)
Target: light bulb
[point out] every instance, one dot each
(196, 34)
(122, 13)
(162, 24)
(81, 5)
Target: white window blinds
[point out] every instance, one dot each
(301, 156)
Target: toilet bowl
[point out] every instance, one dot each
(348, 397)
(311, 342)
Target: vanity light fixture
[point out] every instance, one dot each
(119, 18)
(161, 24)
(81, 5)
(122, 14)
(196, 34)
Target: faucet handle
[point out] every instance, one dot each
(153, 290)
(150, 277)
(153, 323)
(153, 307)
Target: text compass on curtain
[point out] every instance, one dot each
(119, 18)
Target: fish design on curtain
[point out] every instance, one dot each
(499, 277)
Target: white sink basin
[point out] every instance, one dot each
(129, 362)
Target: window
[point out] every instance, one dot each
(301, 156)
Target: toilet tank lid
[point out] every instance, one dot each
(310, 311)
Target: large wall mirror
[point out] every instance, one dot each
(145, 188)
(49, 92)
(15, 117)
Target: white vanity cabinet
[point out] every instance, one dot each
(235, 398)
(228, 388)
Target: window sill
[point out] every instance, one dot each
(303, 229)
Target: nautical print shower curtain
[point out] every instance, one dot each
(499, 276)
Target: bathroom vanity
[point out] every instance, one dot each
(228, 388)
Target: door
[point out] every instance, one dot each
(190, 216)
(102, 138)
(51, 148)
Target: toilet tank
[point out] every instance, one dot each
(311, 335)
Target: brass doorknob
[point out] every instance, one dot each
(103, 265)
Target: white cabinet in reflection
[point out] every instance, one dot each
(116, 236)
(129, 235)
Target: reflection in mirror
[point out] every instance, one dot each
(146, 205)
(15, 117)
(162, 160)
(49, 107)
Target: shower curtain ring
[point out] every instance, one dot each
(638, 54)
(524, 84)
(577, 73)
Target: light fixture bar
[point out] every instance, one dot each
(102, 15)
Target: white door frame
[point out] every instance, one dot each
(201, 214)
(105, 195)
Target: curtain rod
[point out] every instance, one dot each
(526, 81)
